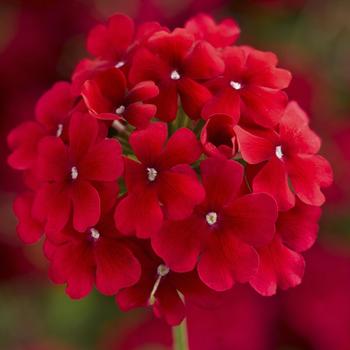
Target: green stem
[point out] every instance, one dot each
(180, 339)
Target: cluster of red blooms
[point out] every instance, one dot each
(171, 166)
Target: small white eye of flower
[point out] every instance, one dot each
(95, 234)
(175, 75)
(151, 174)
(120, 64)
(211, 218)
(74, 173)
(59, 130)
(120, 109)
(235, 85)
(278, 152)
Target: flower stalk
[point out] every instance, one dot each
(180, 337)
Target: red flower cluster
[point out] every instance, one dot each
(170, 168)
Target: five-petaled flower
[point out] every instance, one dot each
(162, 182)
(68, 174)
(223, 230)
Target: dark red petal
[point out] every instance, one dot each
(256, 148)
(218, 137)
(279, 267)
(263, 106)
(103, 162)
(108, 192)
(116, 266)
(298, 226)
(110, 41)
(169, 305)
(53, 107)
(308, 174)
(83, 131)
(225, 260)
(24, 140)
(219, 35)
(178, 243)
(296, 135)
(86, 205)
(262, 71)
(227, 102)
(203, 62)
(173, 46)
(142, 91)
(148, 66)
(148, 143)
(139, 114)
(166, 101)
(252, 218)
(135, 175)
(53, 160)
(179, 191)
(222, 179)
(74, 262)
(29, 230)
(59, 208)
(134, 296)
(181, 148)
(273, 179)
(193, 97)
(139, 213)
(105, 92)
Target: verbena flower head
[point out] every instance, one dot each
(171, 167)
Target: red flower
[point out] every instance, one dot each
(52, 113)
(99, 256)
(289, 155)
(112, 46)
(222, 231)
(176, 64)
(113, 42)
(218, 137)
(203, 27)
(69, 174)
(107, 97)
(160, 288)
(163, 176)
(281, 263)
(250, 86)
(29, 229)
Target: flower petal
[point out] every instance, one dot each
(252, 218)
(221, 179)
(103, 162)
(273, 180)
(279, 266)
(86, 205)
(116, 266)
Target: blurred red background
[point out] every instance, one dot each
(41, 41)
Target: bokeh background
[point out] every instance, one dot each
(40, 42)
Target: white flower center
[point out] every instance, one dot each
(279, 153)
(235, 85)
(151, 174)
(211, 218)
(59, 130)
(120, 109)
(74, 173)
(175, 75)
(120, 64)
(95, 234)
